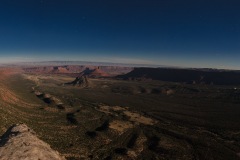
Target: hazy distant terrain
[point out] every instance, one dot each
(119, 112)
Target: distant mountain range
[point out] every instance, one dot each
(59, 63)
(79, 70)
(135, 72)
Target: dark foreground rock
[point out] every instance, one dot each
(21, 143)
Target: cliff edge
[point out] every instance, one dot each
(21, 143)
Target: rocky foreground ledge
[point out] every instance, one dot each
(21, 143)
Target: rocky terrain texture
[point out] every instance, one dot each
(79, 81)
(117, 119)
(19, 143)
(82, 78)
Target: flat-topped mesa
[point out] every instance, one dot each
(19, 143)
(94, 73)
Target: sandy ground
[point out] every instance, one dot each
(136, 117)
(120, 126)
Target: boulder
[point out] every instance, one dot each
(21, 143)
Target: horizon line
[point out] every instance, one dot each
(78, 62)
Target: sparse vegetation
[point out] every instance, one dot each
(127, 119)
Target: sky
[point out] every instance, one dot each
(187, 33)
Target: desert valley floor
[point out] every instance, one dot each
(111, 118)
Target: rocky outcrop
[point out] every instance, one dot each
(80, 81)
(21, 143)
(94, 73)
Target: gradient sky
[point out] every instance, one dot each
(188, 33)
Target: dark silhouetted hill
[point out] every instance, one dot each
(198, 76)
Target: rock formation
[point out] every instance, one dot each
(81, 81)
(21, 143)
(94, 73)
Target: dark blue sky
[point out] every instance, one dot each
(196, 33)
